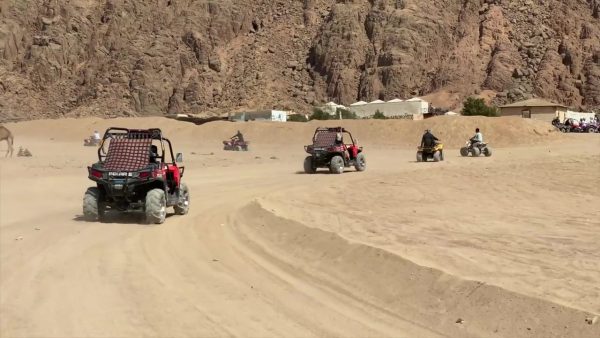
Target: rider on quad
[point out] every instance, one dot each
(477, 138)
(238, 137)
(428, 139)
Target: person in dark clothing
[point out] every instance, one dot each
(238, 137)
(428, 140)
(153, 153)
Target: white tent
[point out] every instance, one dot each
(579, 115)
(376, 101)
(359, 103)
(395, 101)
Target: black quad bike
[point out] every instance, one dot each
(328, 151)
(235, 145)
(136, 171)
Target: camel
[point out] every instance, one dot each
(6, 135)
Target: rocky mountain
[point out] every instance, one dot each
(126, 57)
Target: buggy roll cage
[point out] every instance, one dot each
(124, 133)
(333, 130)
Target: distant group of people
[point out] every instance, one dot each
(576, 123)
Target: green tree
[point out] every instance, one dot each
(318, 114)
(477, 107)
(346, 114)
(379, 115)
(297, 118)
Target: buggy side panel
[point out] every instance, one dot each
(173, 176)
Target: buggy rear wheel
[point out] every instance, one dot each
(309, 166)
(360, 163)
(336, 165)
(183, 204)
(156, 206)
(93, 208)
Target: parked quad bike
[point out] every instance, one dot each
(131, 176)
(235, 145)
(91, 142)
(470, 149)
(435, 153)
(324, 152)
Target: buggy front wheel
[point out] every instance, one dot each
(336, 165)
(360, 163)
(309, 166)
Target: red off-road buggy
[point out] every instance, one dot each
(329, 150)
(136, 171)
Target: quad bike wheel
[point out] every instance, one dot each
(183, 205)
(419, 156)
(309, 167)
(475, 152)
(591, 130)
(156, 206)
(437, 156)
(464, 151)
(360, 164)
(238, 148)
(336, 166)
(93, 209)
(487, 152)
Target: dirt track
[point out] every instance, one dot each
(509, 244)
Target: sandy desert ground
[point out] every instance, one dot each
(506, 246)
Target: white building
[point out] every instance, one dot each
(331, 107)
(260, 115)
(393, 108)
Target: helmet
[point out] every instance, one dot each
(476, 130)
(428, 130)
(338, 136)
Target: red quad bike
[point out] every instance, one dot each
(325, 152)
(235, 145)
(134, 174)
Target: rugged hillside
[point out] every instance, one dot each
(125, 57)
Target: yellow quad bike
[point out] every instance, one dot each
(436, 153)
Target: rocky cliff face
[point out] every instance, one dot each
(126, 57)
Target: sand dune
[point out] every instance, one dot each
(507, 244)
